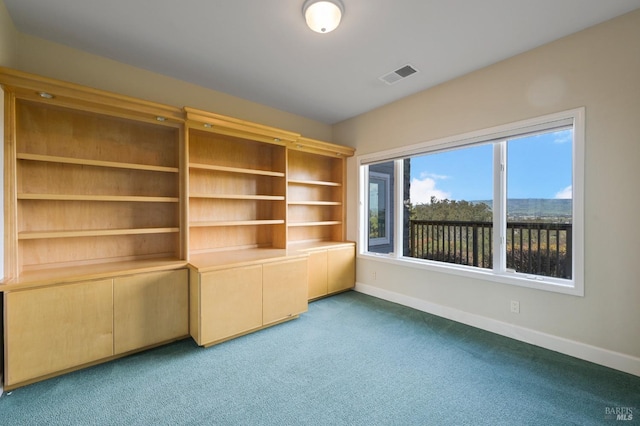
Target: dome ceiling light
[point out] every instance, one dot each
(323, 16)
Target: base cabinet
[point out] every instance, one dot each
(332, 269)
(58, 328)
(341, 269)
(149, 308)
(318, 274)
(229, 302)
(284, 290)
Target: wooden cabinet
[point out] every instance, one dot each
(239, 292)
(94, 187)
(316, 214)
(318, 274)
(149, 309)
(341, 268)
(284, 290)
(230, 303)
(243, 277)
(331, 267)
(61, 327)
(53, 329)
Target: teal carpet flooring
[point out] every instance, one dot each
(351, 360)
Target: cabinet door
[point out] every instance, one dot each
(317, 274)
(150, 308)
(230, 302)
(285, 289)
(57, 328)
(342, 268)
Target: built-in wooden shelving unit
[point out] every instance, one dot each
(129, 224)
(237, 184)
(95, 257)
(316, 192)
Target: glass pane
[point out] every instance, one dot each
(380, 215)
(540, 204)
(449, 196)
(377, 210)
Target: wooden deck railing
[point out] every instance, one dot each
(540, 248)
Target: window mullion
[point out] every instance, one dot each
(499, 206)
(398, 200)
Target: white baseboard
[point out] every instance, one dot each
(594, 354)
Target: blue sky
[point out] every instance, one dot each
(538, 167)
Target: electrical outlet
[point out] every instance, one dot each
(515, 306)
(374, 275)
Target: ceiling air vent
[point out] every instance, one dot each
(399, 74)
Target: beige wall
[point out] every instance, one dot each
(598, 68)
(8, 35)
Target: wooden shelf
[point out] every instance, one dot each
(321, 223)
(318, 245)
(211, 224)
(31, 235)
(97, 163)
(314, 182)
(235, 170)
(74, 197)
(314, 203)
(239, 197)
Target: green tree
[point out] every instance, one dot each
(451, 210)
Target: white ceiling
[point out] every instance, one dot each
(261, 50)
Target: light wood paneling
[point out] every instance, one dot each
(284, 290)
(56, 328)
(150, 308)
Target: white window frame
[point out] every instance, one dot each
(497, 135)
(386, 179)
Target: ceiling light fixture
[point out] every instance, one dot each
(323, 16)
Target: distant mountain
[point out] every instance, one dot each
(529, 208)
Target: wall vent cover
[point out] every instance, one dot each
(399, 74)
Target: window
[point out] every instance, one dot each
(503, 204)
(380, 210)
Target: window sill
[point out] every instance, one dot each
(537, 282)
